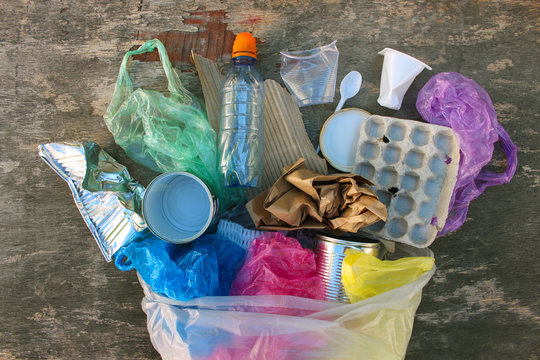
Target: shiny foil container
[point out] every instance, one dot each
(330, 252)
(106, 195)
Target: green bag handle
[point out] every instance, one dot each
(124, 86)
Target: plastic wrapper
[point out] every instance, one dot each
(285, 327)
(453, 100)
(204, 267)
(310, 75)
(278, 265)
(107, 197)
(364, 275)
(166, 133)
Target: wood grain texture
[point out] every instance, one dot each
(59, 61)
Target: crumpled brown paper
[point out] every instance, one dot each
(301, 198)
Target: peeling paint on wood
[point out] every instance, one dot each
(211, 40)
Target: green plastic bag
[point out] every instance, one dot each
(364, 275)
(166, 133)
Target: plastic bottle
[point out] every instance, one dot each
(241, 134)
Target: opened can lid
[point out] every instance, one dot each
(339, 137)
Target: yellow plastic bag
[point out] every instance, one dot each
(364, 275)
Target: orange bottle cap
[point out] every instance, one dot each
(244, 45)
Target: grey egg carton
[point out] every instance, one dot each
(413, 167)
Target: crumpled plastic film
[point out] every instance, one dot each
(453, 100)
(285, 327)
(204, 267)
(166, 133)
(278, 265)
(364, 275)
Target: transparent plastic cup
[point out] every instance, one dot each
(310, 75)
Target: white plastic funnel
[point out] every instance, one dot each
(398, 72)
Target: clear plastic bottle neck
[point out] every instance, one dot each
(244, 60)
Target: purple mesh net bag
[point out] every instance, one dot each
(453, 100)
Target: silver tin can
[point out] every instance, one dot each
(330, 252)
(178, 207)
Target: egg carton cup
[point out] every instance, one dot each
(413, 167)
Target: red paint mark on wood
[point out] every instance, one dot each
(251, 20)
(211, 40)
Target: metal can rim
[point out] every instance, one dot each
(338, 241)
(211, 197)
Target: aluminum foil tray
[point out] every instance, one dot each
(413, 166)
(109, 213)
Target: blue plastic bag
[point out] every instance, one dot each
(204, 267)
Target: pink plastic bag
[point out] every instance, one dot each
(453, 100)
(275, 265)
(278, 265)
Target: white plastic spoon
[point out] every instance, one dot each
(349, 87)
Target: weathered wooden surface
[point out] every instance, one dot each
(59, 61)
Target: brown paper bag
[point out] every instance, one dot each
(301, 198)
